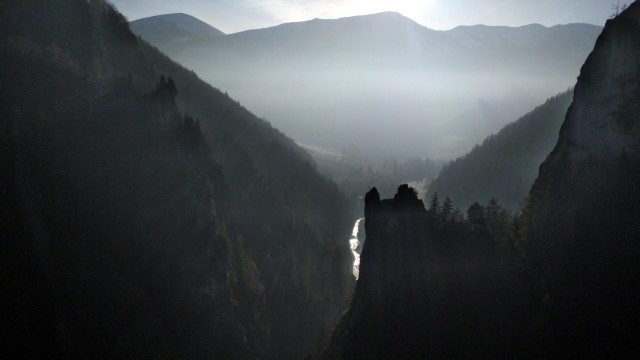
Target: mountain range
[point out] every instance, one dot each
(332, 83)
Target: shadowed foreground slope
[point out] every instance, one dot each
(132, 230)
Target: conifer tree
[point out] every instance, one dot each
(446, 212)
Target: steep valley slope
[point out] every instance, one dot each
(145, 214)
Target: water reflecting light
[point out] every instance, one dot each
(353, 245)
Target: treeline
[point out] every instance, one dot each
(356, 173)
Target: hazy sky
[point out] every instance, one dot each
(237, 15)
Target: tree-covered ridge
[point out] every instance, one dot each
(137, 231)
(355, 174)
(113, 222)
(506, 164)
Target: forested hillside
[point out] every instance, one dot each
(506, 164)
(145, 214)
(292, 220)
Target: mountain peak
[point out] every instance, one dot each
(390, 14)
(384, 16)
(175, 25)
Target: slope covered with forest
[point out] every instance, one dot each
(506, 164)
(146, 214)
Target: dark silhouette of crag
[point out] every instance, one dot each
(427, 284)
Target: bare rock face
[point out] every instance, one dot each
(582, 213)
(603, 118)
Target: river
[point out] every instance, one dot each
(353, 245)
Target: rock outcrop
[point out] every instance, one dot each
(387, 293)
(602, 121)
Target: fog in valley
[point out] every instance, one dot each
(384, 83)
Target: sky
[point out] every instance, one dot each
(232, 16)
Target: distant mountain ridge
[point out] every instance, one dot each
(377, 32)
(321, 81)
(169, 29)
(564, 38)
(384, 24)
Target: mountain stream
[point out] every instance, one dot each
(354, 243)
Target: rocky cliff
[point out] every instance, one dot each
(582, 213)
